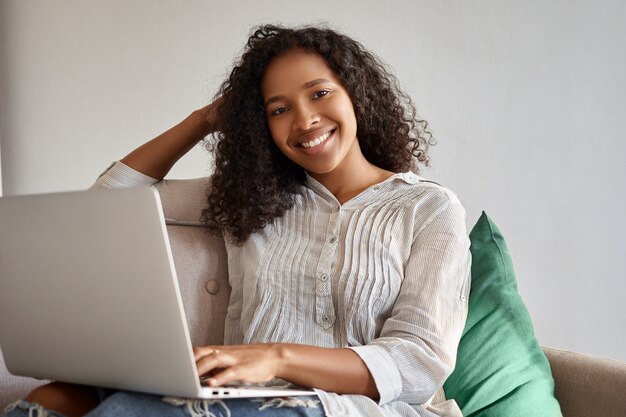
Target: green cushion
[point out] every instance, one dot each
(501, 370)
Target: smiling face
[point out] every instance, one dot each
(309, 113)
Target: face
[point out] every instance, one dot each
(309, 114)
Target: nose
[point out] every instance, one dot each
(305, 118)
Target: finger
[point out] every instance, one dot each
(197, 352)
(201, 351)
(206, 364)
(234, 373)
(214, 360)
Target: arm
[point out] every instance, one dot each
(416, 349)
(183, 200)
(334, 370)
(156, 157)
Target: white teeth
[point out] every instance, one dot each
(316, 141)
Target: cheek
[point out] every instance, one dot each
(349, 119)
(279, 130)
(346, 113)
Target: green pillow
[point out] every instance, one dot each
(501, 370)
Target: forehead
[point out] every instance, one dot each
(291, 70)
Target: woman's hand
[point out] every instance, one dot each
(331, 369)
(208, 117)
(245, 363)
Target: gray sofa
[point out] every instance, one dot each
(586, 386)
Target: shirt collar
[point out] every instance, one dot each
(320, 189)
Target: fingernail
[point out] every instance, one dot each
(212, 382)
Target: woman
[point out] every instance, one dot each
(349, 272)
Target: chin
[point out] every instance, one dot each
(319, 170)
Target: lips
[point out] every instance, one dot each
(317, 143)
(314, 138)
(318, 140)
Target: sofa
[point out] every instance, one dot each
(586, 386)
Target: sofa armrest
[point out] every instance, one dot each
(12, 388)
(588, 386)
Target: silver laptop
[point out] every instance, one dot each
(89, 295)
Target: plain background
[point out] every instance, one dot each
(526, 99)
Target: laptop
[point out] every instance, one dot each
(89, 295)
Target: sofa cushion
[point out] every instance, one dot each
(501, 369)
(201, 267)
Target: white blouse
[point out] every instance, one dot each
(386, 274)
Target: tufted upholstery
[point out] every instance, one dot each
(200, 260)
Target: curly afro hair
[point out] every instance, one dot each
(253, 182)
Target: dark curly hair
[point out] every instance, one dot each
(253, 182)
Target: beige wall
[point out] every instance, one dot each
(0, 171)
(527, 100)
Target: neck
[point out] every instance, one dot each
(353, 175)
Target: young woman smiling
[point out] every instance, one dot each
(349, 272)
(311, 119)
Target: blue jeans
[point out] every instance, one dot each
(132, 404)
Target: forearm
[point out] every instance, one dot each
(156, 157)
(334, 370)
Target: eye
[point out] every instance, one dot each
(321, 93)
(278, 111)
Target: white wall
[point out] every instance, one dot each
(0, 170)
(527, 100)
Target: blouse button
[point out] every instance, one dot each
(323, 277)
(332, 239)
(376, 188)
(212, 287)
(325, 318)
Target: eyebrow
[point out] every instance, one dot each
(306, 85)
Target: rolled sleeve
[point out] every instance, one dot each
(383, 368)
(416, 349)
(120, 175)
(182, 200)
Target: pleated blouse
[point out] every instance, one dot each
(386, 274)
